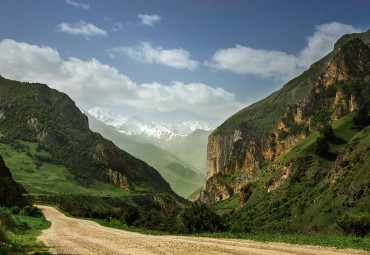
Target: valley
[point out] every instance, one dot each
(226, 128)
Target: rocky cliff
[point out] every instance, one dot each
(258, 135)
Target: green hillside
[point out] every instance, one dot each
(259, 117)
(182, 177)
(320, 194)
(50, 150)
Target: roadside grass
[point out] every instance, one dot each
(339, 242)
(24, 241)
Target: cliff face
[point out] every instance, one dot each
(334, 95)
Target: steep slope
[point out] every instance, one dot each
(307, 193)
(10, 191)
(47, 130)
(265, 131)
(182, 178)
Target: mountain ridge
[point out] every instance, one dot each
(250, 147)
(48, 126)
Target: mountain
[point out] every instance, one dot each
(191, 149)
(157, 133)
(49, 148)
(264, 159)
(182, 177)
(187, 142)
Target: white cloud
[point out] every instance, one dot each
(277, 64)
(81, 28)
(79, 5)
(118, 26)
(144, 52)
(149, 20)
(103, 84)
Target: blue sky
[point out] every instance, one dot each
(170, 61)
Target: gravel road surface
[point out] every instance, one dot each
(74, 236)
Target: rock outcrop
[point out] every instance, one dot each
(327, 101)
(120, 180)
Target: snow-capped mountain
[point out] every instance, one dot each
(188, 127)
(107, 116)
(151, 131)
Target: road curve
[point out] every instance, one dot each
(74, 236)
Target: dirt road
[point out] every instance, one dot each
(74, 236)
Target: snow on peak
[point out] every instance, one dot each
(107, 116)
(134, 125)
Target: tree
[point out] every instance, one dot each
(362, 118)
(200, 218)
(131, 216)
(327, 131)
(321, 146)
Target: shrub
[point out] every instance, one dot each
(131, 216)
(355, 224)
(362, 117)
(327, 131)
(3, 238)
(200, 218)
(6, 219)
(32, 211)
(15, 210)
(321, 146)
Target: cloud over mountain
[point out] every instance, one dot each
(278, 64)
(144, 52)
(103, 84)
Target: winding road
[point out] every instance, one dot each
(74, 236)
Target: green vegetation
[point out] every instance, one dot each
(180, 171)
(18, 233)
(49, 149)
(315, 198)
(200, 218)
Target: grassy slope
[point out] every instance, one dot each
(160, 159)
(38, 177)
(24, 241)
(308, 203)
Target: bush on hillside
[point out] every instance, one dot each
(327, 131)
(32, 211)
(362, 118)
(131, 216)
(355, 224)
(200, 218)
(15, 210)
(6, 219)
(321, 146)
(3, 238)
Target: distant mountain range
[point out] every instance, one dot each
(180, 156)
(157, 133)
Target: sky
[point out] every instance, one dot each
(168, 60)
